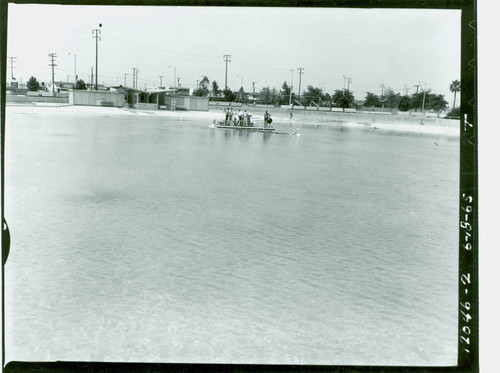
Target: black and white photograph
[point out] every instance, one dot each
(256, 185)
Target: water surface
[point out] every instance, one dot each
(161, 240)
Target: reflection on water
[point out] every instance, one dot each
(151, 240)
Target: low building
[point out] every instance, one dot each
(97, 98)
(161, 99)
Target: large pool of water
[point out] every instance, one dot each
(140, 238)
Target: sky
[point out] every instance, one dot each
(395, 47)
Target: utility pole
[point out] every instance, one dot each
(97, 38)
(175, 72)
(423, 99)
(197, 84)
(76, 76)
(161, 77)
(125, 82)
(382, 86)
(91, 77)
(253, 94)
(382, 95)
(417, 85)
(52, 56)
(12, 67)
(300, 70)
(134, 77)
(349, 80)
(179, 82)
(291, 89)
(227, 58)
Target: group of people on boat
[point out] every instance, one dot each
(238, 119)
(243, 119)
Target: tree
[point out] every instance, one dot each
(202, 90)
(285, 94)
(328, 98)
(228, 95)
(455, 87)
(343, 98)
(437, 103)
(215, 89)
(80, 85)
(313, 94)
(33, 84)
(404, 103)
(390, 99)
(432, 101)
(266, 95)
(372, 100)
(454, 113)
(242, 95)
(417, 98)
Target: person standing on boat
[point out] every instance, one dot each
(227, 115)
(267, 119)
(240, 118)
(230, 115)
(247, 118)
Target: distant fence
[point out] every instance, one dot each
(30, 99)
(224, 104)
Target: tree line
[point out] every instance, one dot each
(315, 96)
(424, 100)
(343, 98)
(34, 85)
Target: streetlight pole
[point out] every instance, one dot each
(227, 58)
(97, 38)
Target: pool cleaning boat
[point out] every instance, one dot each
(246, 127)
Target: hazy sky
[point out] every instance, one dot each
(373, 47)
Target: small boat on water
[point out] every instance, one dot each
(247, 126)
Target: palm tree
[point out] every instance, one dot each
(455, 87)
